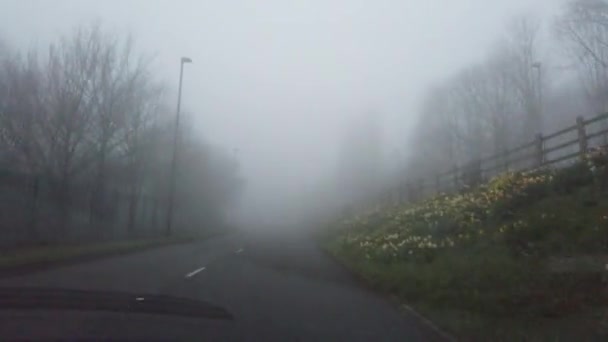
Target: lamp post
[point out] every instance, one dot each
(168, 232)
(539, 80)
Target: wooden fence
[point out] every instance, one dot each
(552, 150)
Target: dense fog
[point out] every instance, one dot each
(292, 111)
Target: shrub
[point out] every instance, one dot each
(571, 178)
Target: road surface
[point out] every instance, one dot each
(276, 289)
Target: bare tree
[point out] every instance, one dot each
(501, 101)
(437, 138)
(477, 112)
(118, 76)
(140, 142)
(19, 111)
(468, 92)
(583, 28)
(522, 45)
(51, 113)
(87, 120)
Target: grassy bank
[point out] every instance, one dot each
(57, 254)
(521, 258)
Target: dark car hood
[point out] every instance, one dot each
(64, 299)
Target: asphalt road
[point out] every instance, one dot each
(277, 288)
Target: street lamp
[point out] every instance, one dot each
(539, 67)
(184, 60)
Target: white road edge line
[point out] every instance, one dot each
(193, 273)
(240, 250)
(430, 324)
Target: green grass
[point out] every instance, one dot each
(60, 253)
(588, 325)
(486, 295)
(492, 284)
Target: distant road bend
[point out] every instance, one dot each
(242, 287)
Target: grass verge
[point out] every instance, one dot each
(521, 258)
(25, 260)
(463, 295)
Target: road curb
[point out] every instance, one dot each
(440, 333)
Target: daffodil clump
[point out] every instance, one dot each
(487, 251)
(597, 159)
(511, 209)
(443, 222)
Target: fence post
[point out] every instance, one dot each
(455, 178)
(582, 137)
(33, 212)
(408, 191)
(437, 184)
(118, 210)
(92, 207)
(477, 172)
(154, 213)
(506, 159)
(396, 195)
(540, 151)
(144, 225)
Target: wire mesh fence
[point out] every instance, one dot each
(37, 210)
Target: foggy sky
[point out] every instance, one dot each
(279, 79)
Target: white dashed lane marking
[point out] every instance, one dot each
(193, 273)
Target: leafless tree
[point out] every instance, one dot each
(21, 106)
(117, 82)
(526, 70)
(468, 93)
(437, 137)
(89, 120)
(501, 101)
(140, 141)
(583, 28)
(478, 112)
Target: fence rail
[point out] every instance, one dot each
(549, 150)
